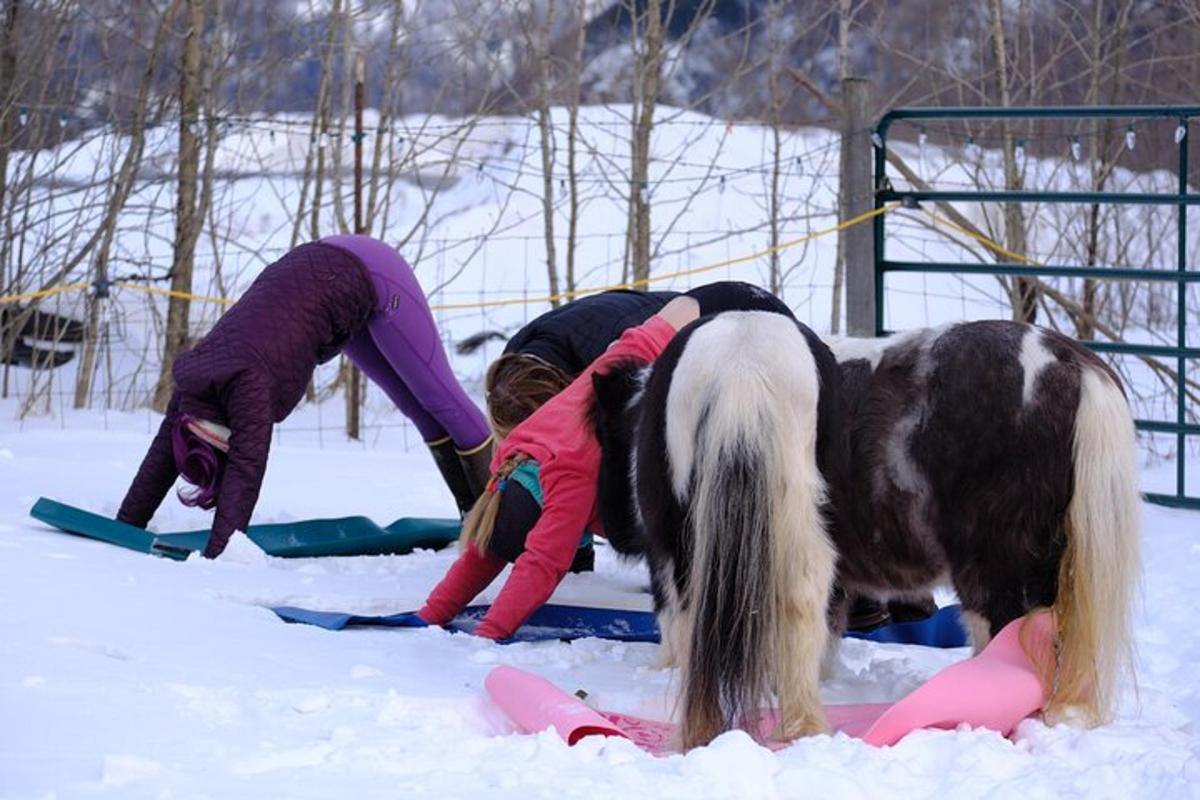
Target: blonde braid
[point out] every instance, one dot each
(481, 521)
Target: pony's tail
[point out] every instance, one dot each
(1100, 569)
(762, 564)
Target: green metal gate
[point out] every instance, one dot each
(1181, 276)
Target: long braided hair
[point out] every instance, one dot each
(481, 521)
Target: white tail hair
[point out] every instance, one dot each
(1101, 567)
(741, 441)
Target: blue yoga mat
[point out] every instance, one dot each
(943, 629)
(559, 622)
(548, 623)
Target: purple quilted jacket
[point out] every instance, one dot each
(251, 371)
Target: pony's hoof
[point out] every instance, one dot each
(813, 725)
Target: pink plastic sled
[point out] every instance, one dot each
(995, 690)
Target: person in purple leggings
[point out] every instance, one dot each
(350, 294)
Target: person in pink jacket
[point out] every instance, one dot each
(553, 451)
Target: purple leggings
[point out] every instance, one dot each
(400, 351)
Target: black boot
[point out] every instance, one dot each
(912, 609)
(476, 467)
(867, 614)
(585, 559)
(451, 467)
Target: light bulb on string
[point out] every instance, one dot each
(23, 117)
(922, 136)
(1076, 149)
(1130, 138)
(1180, 132)
(1020, 150)
(973, 150)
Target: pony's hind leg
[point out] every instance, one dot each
(669, 615)
(805, 566)
(979, 630)
(803, 650)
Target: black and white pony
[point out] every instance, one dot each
(712, 469)
(996, 457)
(999, 457)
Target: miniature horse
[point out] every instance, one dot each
(1001, 457)
(995, 456)
(713, 462)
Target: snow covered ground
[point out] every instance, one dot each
(127, 676)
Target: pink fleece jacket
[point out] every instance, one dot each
(560, 439)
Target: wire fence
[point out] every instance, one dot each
(465, 201)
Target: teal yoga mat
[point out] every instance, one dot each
(346, 536)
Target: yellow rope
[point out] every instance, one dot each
(568, 295)
(206, 298)
(983, 240)
(43, 293)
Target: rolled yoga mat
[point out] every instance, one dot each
(994, 690)
(347, 536)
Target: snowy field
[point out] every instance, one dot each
(127, 676)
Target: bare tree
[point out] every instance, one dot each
(845, 20)
(574, 91)
(118, 194)
(545, 77)
(1107, 55)
(648, 43)
(188, 215)
(314, 163)
(1024, 297)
